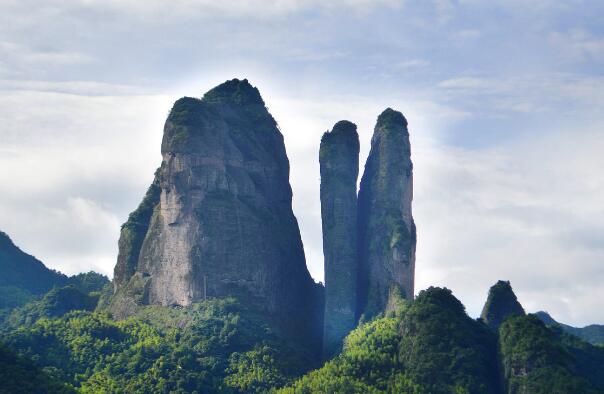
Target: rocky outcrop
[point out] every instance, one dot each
(218, 219)
(133, 234)
(501, 304)
(339, 162)
(386, 230)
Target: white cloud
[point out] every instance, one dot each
(529, 211)
(526, 94)
(76, 166)
(577, 45)
(505, 122)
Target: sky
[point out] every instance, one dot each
(504, 99)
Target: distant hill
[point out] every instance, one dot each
(594, 333)
(24, 278)
(430, 345)
(56, 303)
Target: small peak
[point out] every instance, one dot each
(234, 91)
(546, 318)
(343, 129)
(343, 134)
(344, 126)
(441, 297)
(390, 117)
(501, 304)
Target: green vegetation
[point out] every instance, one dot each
(426, 346)
(55, 303)
(214, 346)
(539, 360)
(501, 304)
(13, 296)
(89, 282)
(593, 333)
(20, 375)
(391, 120)
(23, 277)
(133, 234)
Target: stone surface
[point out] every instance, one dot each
(501, 304)
(339, 162)
(218, 219)
(386, 230)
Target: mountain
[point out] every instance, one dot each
(501, 303)
(539, 360)
(56, 303)
(428, 345)
(217, 220)
(22, 276)
(339, 164)
(213, 346)
(211, 293)
(593, 333)
(386, 230)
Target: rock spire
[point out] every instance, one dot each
(339, 163)
(217, 220)
(386, 230)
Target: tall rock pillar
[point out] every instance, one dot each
(339, 160)
(218, 220)
(386, 230)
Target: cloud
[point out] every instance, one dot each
(529, 212)
(504, 102)
(578, 45)
(80, 88)
(78, 165)
(526, 94)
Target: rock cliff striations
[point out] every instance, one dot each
(386, 230)
(217, 220)
(339, 163)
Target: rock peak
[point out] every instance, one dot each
(339, 164)
(217, 220)
(344, 126)
(234, 91)
(501, 304)
(386, 230)
(390, 117)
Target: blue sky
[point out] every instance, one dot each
(504, 99)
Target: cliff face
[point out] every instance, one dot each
(339, 162)
(501, 304)
(217, 220)
(386, 230)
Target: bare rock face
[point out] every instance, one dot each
(386, 230)
(501, 304)
(218, 220)
(339, 160)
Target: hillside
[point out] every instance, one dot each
(428, 345)
(593, 333)
(210, 347)
(22, 276)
